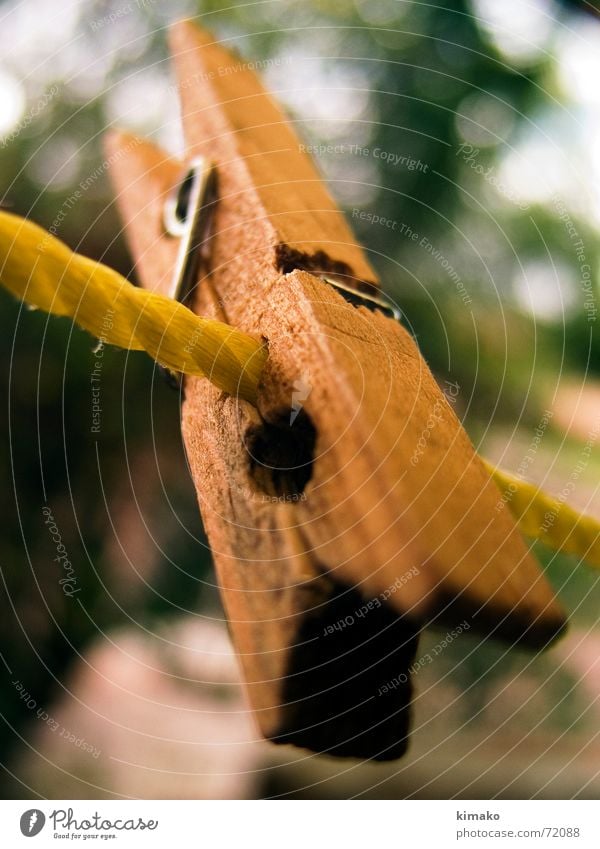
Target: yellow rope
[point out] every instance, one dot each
(548, 519)
(42, 271)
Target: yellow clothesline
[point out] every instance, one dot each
(553, 522)
(41, 270)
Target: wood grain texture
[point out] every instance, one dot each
(344, 527)
(265, 176)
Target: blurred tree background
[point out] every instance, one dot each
(474, 125)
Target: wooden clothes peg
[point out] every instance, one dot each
(332, 549)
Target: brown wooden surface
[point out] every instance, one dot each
(295, 557)
(281, 210)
